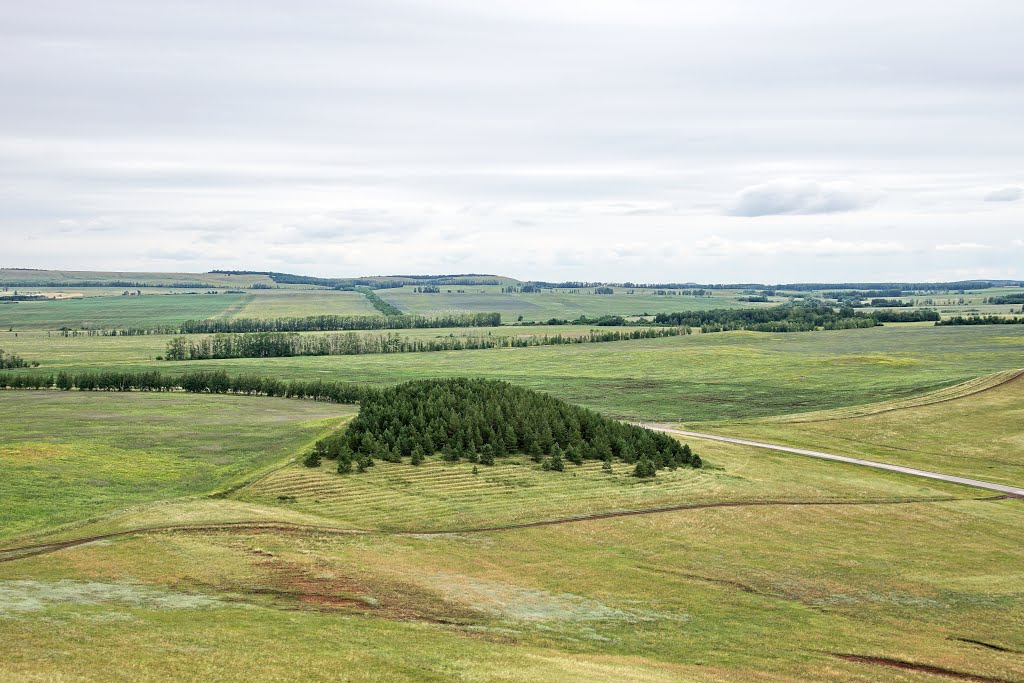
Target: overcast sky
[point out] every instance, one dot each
(768, 140)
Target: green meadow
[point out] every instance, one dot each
(697, 378)
(155, 537)
(72, 456)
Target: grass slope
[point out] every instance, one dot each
(69, 456)
(115, 311)
(980, 435)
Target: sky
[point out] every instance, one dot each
(643, 140)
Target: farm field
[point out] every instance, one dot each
(297, 303)
(148, 310)
(552, 303)
(697, 378)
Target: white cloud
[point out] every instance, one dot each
(796, 197)
(540, 138)
(962, 246)
(1005, 194)
(821, 247)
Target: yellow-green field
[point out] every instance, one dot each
(173, 536)
(856, 563)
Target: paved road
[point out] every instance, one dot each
(1002, 488)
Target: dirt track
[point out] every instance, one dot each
(20, 552)
(977, 483)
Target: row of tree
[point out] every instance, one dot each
(196, 382)
(981, 320)
(1007, 299)
(480, 421)
(378, 303)
(313, 323)
(797, 317)
(286, 344)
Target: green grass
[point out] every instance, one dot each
(980, 435)
(69, 456)
(559, 303)
(297, 303)
(148, 310)
(726, 594)
(443, 496)
(722, 376)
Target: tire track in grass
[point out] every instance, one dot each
(22, 552)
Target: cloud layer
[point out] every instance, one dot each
(642, 140)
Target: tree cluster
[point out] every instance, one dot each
(11, 360)
(803, 317)
(480, 421)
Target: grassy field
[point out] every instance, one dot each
(725, 594)
(148, 310)
(69, 456)
(698, 378)
(557, 303)
(289, 303)
(219, 559)
(980, 436)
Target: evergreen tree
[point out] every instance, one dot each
(644, 468)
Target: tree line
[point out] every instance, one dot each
(981, 320)
(789, 318)
(287, 344)
(1007, 299)
(105, 283)
(481, 420)
(195, 382)
(378, 303)
(313, 323)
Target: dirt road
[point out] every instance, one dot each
(1002, 488)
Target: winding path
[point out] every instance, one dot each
(977, 483)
